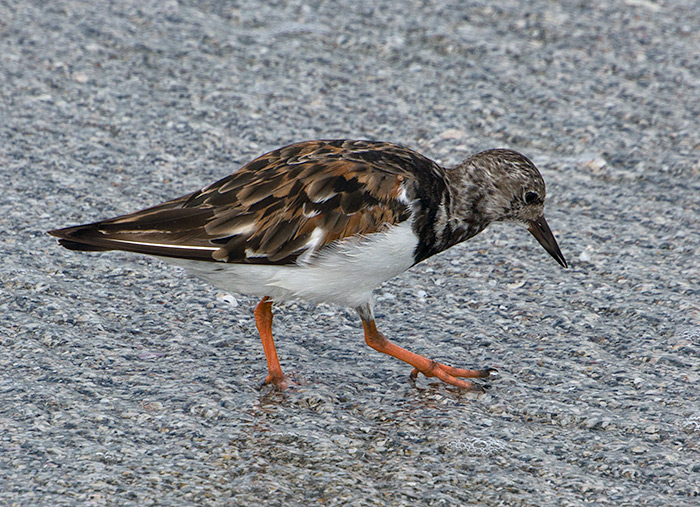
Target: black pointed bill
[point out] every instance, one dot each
(541, 231)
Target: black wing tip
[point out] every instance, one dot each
(88, 238)
(59, 233)
(68, 233)
(83, 247)
(69, 239)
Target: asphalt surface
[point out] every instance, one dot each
(124, 381)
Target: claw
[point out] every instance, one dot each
(283, 382)
(279, 383)
(420, 364)
(451, 375)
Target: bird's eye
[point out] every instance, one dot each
(531, 197)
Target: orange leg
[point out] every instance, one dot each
(421, 364)
(263, 321)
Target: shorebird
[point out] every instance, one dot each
(329, 221)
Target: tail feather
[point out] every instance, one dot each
(163, 231)
(89, 238)
(83, 247)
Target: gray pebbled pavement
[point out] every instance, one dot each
(124, 381)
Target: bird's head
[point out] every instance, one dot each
(506, 186)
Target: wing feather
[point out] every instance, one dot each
(275, 208)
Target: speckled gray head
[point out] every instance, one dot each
(504, 185)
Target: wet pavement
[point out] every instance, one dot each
(126, 381)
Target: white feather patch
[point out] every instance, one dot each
(164, 245)
(402, 196)
(344, 274)
(311, 246)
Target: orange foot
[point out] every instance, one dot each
(280, 382)
(420, 364)
(449, 375)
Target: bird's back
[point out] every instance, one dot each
(284, 206)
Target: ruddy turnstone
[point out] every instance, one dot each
(329, 221)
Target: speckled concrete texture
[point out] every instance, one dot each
(124, 381)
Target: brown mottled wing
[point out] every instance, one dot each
(286, 203)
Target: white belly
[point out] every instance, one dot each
(344, 274)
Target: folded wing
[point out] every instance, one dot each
(281, 208)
